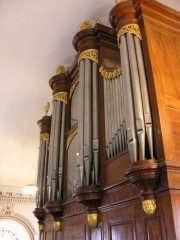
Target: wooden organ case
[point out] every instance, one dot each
(111, 169)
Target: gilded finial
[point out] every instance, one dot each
(118, 1)
(85, 25)
(149, 207)
(60, 69)
(99, 21)
(46, 108)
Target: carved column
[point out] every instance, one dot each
(85, 44)
(53, 206)
(44, 125)
(144, 169)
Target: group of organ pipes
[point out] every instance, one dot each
(100, 109)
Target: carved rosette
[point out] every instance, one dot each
(90, 197)
(144, 175)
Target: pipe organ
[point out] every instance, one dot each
(105, 168)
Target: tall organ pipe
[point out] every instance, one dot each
(95, 122)
(145, 95)
(136, 95)
(128, 99)
(81, 122)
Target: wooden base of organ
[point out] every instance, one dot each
(123, 186)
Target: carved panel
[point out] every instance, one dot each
(155, 229)
(121, 231)
(49, 235)
(75, 232)
(165, 66)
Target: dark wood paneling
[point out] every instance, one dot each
(155, 228)
(75, 232)
(122, 231)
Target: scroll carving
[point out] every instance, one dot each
(110, 74)
(72, 88)
(130, 28)
(70, 137)
(91, 54)
(60, 96)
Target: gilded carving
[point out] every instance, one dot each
(91, 54)
(60, 96)
(85, 25)
(149, 207)
(57, 226)
(130, 28)
(70, 137)
(72, 88)
(60, 69)
(41, 227)
(110, 74)
(44, 137)
(93, 219)
(99, 21)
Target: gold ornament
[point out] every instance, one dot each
(60, 96)
(60, 69)
(149, 207)
(130, 28)
(71, 136)
(93, 219)
(57, 226)
(73, 87)
(118, 1)
(41, 227)
(85, 25)
(99, 21)
(46, 108)
(44, 137)
(91, 54)
(110, 74)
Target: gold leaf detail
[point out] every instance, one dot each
(72, 88)
(130, 28)
(60, 69)
(41, 227)
(118, 1)
(60, 96)
(99, 21)
(91, 54)
(93, 219)
(110, 75)
(70, 137)
(44, 137)
(149, 207)
(85, 25)
(57, 226)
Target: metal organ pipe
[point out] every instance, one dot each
(128, 100)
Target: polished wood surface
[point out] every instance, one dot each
(120, 201)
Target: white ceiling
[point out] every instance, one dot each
(36, 36)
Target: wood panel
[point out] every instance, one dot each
(164, 48)
(155, 229)
(122, 231)
(75, 232)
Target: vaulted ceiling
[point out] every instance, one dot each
(36, 36)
